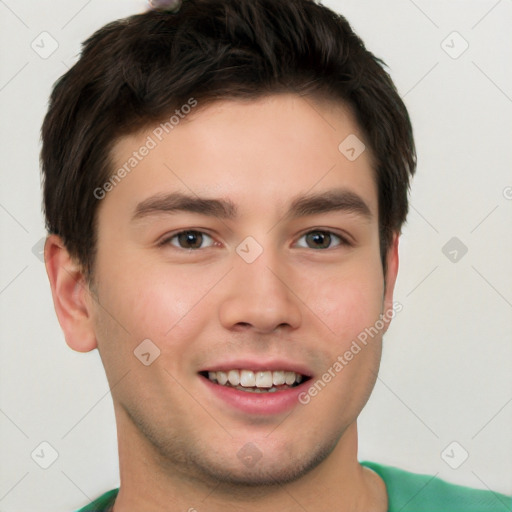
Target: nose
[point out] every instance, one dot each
(260, 296)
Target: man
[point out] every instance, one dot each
(225, 187)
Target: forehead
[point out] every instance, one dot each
(262, 151)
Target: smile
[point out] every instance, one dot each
(256, 381)
(256, 392)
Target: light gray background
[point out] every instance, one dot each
(445, 374)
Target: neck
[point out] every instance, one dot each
(149, 483)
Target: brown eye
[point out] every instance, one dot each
(188, 239)
(321, 240)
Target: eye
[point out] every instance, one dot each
(193, 239)
(319, 239)
(189, 239)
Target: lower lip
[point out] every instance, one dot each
(257, 403)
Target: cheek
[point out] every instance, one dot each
(154, 303)
(347, 300)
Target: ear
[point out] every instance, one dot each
(71, 296)
(391, 273)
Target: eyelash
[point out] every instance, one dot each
(167, 241)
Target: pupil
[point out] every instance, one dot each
(320, 239)
(189, 237)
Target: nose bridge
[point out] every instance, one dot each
(259, 294)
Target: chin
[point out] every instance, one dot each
(264, 471)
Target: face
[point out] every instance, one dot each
(244, 245)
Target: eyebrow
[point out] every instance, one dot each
(311, 204)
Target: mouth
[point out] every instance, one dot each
(256, 381)
(256, 388)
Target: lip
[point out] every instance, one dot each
(255, 403)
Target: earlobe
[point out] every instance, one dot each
(71, 296)
(391, 274)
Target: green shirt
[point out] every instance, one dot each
(407, 492)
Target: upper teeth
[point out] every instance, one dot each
(248, 378)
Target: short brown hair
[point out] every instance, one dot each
(136, 71)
